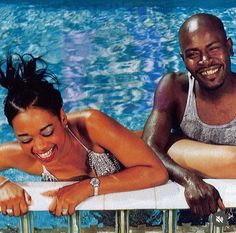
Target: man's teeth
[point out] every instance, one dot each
(209, 72)
(47, 154)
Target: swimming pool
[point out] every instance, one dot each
(107, 56)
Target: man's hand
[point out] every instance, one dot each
(202, 198)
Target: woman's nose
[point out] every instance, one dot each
(39, 145)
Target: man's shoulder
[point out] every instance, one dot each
(173, 86)
(174, 79)
(179, 77)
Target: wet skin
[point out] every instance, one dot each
(206, 53)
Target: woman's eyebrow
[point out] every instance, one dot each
(23, 135)
(45, 127)
(41, 130)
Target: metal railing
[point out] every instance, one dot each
(168, 197)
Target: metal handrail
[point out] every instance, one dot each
(168, 197)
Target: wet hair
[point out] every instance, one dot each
(27, 80)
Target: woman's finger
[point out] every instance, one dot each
(16, 210)
(53, 205)
(71, 210)
(58, 211)
(27, 198)
(3, 208)
(50, 193)
(24, 207)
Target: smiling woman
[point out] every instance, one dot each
(87, 146)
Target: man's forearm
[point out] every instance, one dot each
(176, 173)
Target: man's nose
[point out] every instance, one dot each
(204, 59)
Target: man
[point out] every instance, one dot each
(201, 105)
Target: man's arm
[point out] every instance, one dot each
(202, 198)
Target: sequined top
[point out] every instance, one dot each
(101, 163)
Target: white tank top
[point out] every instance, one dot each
(194, 128)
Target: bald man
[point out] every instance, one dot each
(199, 105)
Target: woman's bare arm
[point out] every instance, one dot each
(210, 161)
(143, 168)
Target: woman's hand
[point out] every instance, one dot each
(65, 199)
(14, 200)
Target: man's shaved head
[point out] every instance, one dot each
(196, 21)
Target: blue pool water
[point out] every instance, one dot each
(107, 56)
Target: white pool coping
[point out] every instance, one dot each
(168, 196)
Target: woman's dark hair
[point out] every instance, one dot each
(26, 79)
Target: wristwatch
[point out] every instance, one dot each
(95, 183)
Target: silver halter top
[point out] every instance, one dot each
(101, 163)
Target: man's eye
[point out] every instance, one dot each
(192, 55)
(215, 48)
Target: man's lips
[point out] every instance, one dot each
(210, 71)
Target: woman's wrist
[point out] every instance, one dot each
(86, 187)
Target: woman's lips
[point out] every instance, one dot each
(46, 156)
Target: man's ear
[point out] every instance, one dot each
(229, 45)
(63, 117)
(182, 56)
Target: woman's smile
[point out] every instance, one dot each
(47, 156)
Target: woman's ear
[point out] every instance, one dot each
(63, 117)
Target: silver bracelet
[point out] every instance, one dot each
(4, 182)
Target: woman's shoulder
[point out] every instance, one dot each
(12, 155)
(11, 148)
(90, 124)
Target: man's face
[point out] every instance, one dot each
(206, 54)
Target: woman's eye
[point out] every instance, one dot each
(25, 141)
(47, 133)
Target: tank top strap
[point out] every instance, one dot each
(191, 96)
(190, 103)
(77, 139)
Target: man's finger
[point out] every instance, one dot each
(221, 204)
(213, 206)
(205, 208)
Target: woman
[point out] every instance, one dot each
(87, 146)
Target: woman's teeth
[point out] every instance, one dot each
(46, 154)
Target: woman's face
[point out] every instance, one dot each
(40, 133)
